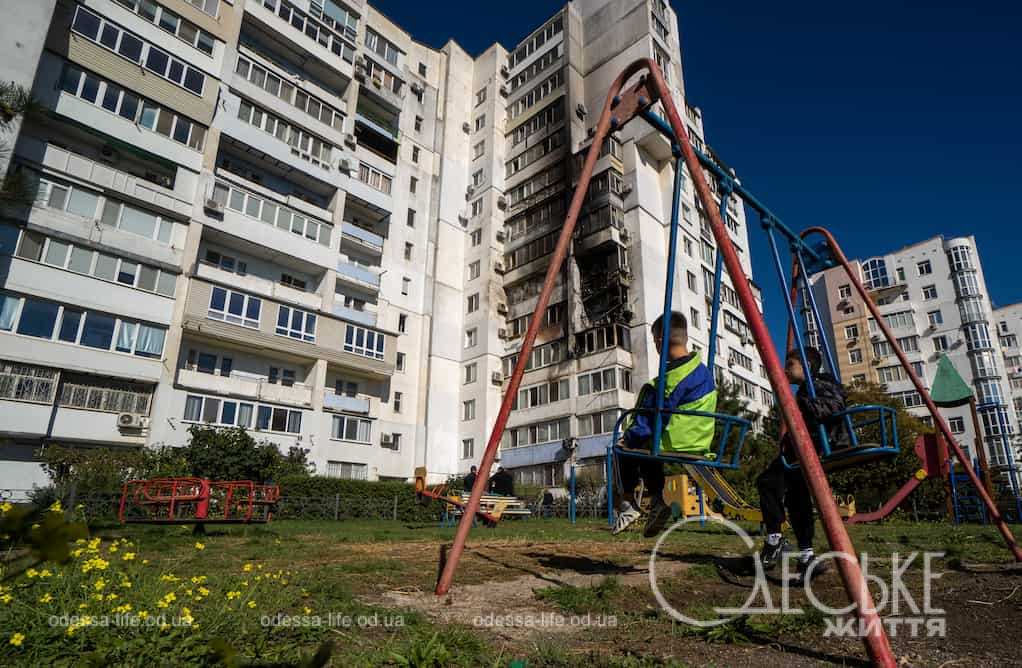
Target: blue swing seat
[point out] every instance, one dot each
(852, 451)
(719, 459)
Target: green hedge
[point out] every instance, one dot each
(372, 493)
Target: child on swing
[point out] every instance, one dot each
(688, 386)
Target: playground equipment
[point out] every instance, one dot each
(491, 509)
(932, 453)
(620, 108)
(196, 501)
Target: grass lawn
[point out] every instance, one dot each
(536, 593)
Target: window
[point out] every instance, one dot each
(234, 307)
(374, 178)
(473, 303)
(924, 268)
(542, 394)
(889, 374)
(292, 282)
(851, 332)
(96, 394)
(693, 321)
(363, 341)
(418, 123)
(282, 88)
(271, 213)
(935, 318)
(473, 270)
(402, 323)
(406, 283)
(844, 292)
(116, 100)
(598, 381)
(413, 183)
(400, 364)
(415, 154)
(381, 46)
(537, 94)
(468, 410)
(347, 470)
(213, 410)
(468, 448)
(477, 178)
(956, 425)
(471, 337)
(875, 273)
(478, 150)
(411, 217)
(296, 324)
(597, 423)
(476, 237)
(397, 402)
(480, 122)
(132, 48)
(929, 292)
(480, 96)
(181, 28)
(940, 343)
(855, 356)
(303, 144)
(542, 432)
(471, 373)
(693, 284)
(422, 69)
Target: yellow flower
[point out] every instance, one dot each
(143, 614)
(164, 626)
(111, 597)
(198, 579)
(94, 544)
(83, 606)
(80, 541)
(247, 568)
(161, 604)
(307, 610)
(126, 584)
(99, 585)
(203, 591)
(251, 604)
(17, 639)
(231, 595)
(188, 592)
(169, 577)
(259, 566)
(46, 598)
(186, 616)
(77, 553)
(170, 597)
(45, 573)
(32, 573)
(5, 507)
(6, 598)
(145, 562)
(200, 546)
(113, 547)
(128, 556)
(56, 507)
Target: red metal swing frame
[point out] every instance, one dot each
(620, 108)
(190, 500)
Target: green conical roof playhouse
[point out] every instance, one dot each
(949, 389)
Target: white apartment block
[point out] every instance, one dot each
(290, 216)
(1009, 331)
(933, 295)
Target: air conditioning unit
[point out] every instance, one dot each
(499, 269)
(463, 218)
(213, 206)
(497, 378)
(625, 236)
(877, 337)
(592, 131)
(345, 165)
(417, 88)
(503, 334)
(471, 190)
(503, 91)
(501, 236)
(501, 202)
(378, 82)
(131, 421)
(350, 141)
(504, 71)
(746, 340)
(626, 190)
(502, 308)
(466, 128)
(386, 439)
(876, 361)
(581, 111)
(360, 74)
(730, 364)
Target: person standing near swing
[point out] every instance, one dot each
(688, 386)
(780, 487)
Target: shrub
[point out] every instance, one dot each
(361, 498)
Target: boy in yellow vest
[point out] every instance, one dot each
(688, 386)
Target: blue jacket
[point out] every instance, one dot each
(693, 387)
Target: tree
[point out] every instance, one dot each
(232, 454)
(17, 188)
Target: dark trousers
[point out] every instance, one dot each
(631, 469)
(781, 488)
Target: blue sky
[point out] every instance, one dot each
(886, 121)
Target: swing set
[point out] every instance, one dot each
(812, 251)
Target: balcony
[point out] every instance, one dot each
(361, 239)
(246, 387)
(345, 404)
(259, 286)
(278, 28)
(367, 318)
(357, 275)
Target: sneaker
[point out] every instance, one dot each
(807, 561)
(625, 519)
(659, 513)
(771, 554)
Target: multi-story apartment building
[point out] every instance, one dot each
(290, 216)
(933, 296)
(1009, 331)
